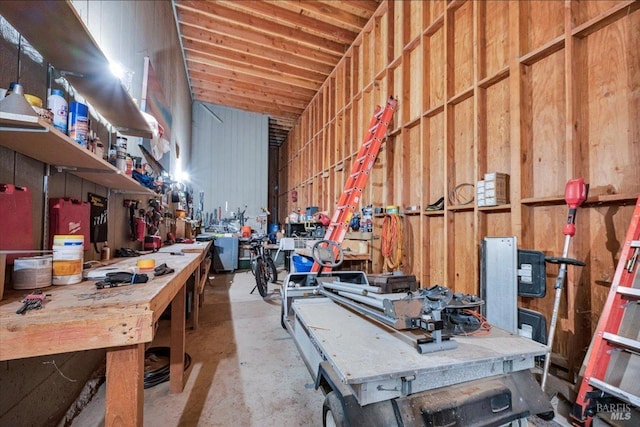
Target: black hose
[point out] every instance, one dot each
(161, 374)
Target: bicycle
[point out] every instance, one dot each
(262, 265)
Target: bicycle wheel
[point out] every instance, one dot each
(271, 269)
(261, 277)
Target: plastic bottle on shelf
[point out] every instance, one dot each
(58, 106)
(105, 254)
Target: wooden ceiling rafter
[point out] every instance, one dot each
(267, 56)
(238, 59)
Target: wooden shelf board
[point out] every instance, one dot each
(497, 77)
(606, 18)
(461, 208)
(433, 213)
(611, 198)
(69, 47)
(48, 145)
(53, 147)
(394, 132)
(543, 51)
(541, 201)
(434, 110)
(498, 208)
(412, 122)
(434, 26)
(465, 94)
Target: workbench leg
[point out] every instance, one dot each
(124, 387)
(178, 323)
(195, 312)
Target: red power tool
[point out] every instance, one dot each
(575, 193)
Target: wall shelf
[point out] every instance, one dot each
(48, 145)
(57, 32)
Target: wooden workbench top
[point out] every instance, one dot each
(81, 317)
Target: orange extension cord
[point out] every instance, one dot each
(485, 326)
(391, 244)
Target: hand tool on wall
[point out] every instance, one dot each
(575, 193)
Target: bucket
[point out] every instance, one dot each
(32, 272)
(246, 231)
(67, 264)
(273, 228)
(68, 240)
(301, 264)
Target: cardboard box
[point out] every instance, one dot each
(496, 189)
(355, 246)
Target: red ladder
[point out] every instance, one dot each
(359, 175)
(608, 341)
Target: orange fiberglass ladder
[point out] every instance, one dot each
(362, 165)
(608, 384)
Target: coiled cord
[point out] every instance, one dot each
(391, 244)
(153, 377)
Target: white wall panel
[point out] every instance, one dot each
(127, 31)
(230, 160)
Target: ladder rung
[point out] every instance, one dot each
(635, 243)
(615, 391)
(621, 341)
(629, 292)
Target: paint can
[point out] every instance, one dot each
(68, 257)
(32, 272)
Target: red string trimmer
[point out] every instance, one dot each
(575, 192)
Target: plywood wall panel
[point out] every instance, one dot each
(462, 169)
(396, 13)
(411, 245)
(545, 152)
(459, 277)
(436, 254)
(411, 168)
(434, 170)
(494, 224)
(498, 147)
(585, 10)
(414, 19)
(413, 86)
(545, 21)
(495, 86)
(495, 30)
(462, 21)
(613, 85)
(435, 79)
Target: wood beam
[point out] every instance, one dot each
(294, 21)
(202, 40)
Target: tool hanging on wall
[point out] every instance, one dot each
(575, 193)
(359, 175)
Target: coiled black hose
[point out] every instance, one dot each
(153, 377)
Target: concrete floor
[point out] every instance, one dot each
(245, 368)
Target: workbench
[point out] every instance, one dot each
(121, 320)
(372, 361)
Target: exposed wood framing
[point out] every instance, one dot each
(544, 91)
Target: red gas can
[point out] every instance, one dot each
(16, 226)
